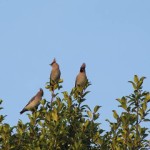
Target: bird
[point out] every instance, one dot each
(81, 78)
(55, 74)
(34, 102)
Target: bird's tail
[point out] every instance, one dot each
(23, 110)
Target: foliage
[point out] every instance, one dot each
(69, 124)
(127, 132)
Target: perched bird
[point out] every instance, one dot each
(55, 73)
(81, 78)
(34, 102)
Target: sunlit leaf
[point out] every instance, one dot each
(96, 108)
(90, 114)
(116, 116)
(136, 79)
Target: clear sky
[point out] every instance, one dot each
(111, 37)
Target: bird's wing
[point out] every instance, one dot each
(76, 80)
(51, 78)
(32, 99)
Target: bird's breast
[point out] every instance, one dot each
(55, 75)
(81, 79)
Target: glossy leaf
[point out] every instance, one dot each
(89, 114)
(96, 108)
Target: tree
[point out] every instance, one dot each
(68, 123)
(127, 132)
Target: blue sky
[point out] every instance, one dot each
(111, 37)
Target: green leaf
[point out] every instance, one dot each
(108, 120)
(85, 93)
(139, 84)
(147, 97)
(142, 78)
(47, 116)
(141, 112)
(95, 116)
(85, 106)
(43, 101)
(147, 120)
(55, 115)
(1, 101)
(66, 96)
(115, 114)
(86, 123)
(133, 84)
(136, 79)
(96, 108)
(119, 100)
(123, 102)
(90, 114)
(60, 81)
(144, 106)
(6, 127)
(47, 86)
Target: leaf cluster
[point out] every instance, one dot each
(68, 123)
